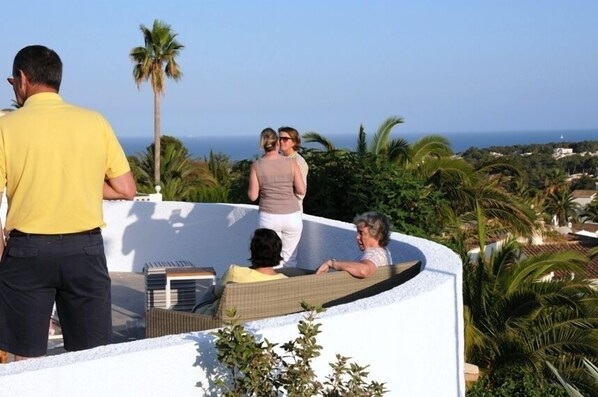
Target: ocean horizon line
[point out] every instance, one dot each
(558, 132)
(245, 146)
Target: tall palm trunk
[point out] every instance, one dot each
(157, 150)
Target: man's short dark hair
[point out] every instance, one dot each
(40, 64)
(265, 247)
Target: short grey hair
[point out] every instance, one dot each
(378, 225)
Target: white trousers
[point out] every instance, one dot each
(289, 228)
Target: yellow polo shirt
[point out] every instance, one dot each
(54, 158)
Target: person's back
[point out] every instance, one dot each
(275, 180)
(276, 186)
(57, 163)
(56, 155)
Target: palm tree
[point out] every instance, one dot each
(395, 150)
(561, 203)
(379, 145)
(482, 211)
(155, 60)
(512, 319)
(181, 176)
(315, 137)
(590, 212)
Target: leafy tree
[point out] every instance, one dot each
(514, 321)
(514, 383)
(154, 61)
(343, 185)
(584, 182)
(480, 207)
(561, 203)
(591, 210)
(183, 179)
(219, 165)
(261, 368)
(571, 390)
(239, 182)
(380, 143)
(395, 150)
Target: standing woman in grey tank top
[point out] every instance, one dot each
(276, 180)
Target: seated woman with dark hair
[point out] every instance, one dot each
(266, 249)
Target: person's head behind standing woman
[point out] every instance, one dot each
(268, 140)
(290, 140)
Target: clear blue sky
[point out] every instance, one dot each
(326, 66)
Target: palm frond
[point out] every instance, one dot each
(315, 137)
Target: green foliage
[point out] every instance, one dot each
(514, 321)
(239, 182)
(537, 163)
(209, 194)
(584, 182)
(256, 368)
(183, 179)
(572, 391)
(560, 202)
(514, 383)
(219, 166)
(342, 185)
(591, 211)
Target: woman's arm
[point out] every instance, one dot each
(298, 184)
(254, 185)
(360, 269)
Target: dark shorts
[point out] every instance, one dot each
(38, 270)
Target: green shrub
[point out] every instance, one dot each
(256, 368)
(515, 382)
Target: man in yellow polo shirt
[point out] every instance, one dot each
(57, 163)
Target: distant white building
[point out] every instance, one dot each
(561, 152)
(583, 197)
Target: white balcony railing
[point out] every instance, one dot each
(411, 336)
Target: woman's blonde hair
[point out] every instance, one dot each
(268, 139)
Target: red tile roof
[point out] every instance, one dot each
(576, 243)
(583, 193)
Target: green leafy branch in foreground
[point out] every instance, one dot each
(255, 368)
(592, 371)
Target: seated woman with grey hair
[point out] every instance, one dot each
(373, 235)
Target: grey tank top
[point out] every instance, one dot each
(275, 177)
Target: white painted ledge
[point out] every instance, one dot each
(399, 333)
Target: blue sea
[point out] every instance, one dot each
(240, 147)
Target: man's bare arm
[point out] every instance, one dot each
(120, 188)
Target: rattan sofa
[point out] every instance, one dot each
(254, 301)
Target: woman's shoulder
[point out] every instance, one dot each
(380, 256)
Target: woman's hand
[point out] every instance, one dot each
(325, 267)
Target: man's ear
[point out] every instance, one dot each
(22, 77)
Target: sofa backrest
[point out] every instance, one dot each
(254, 301)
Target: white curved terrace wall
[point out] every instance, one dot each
(410, 336)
